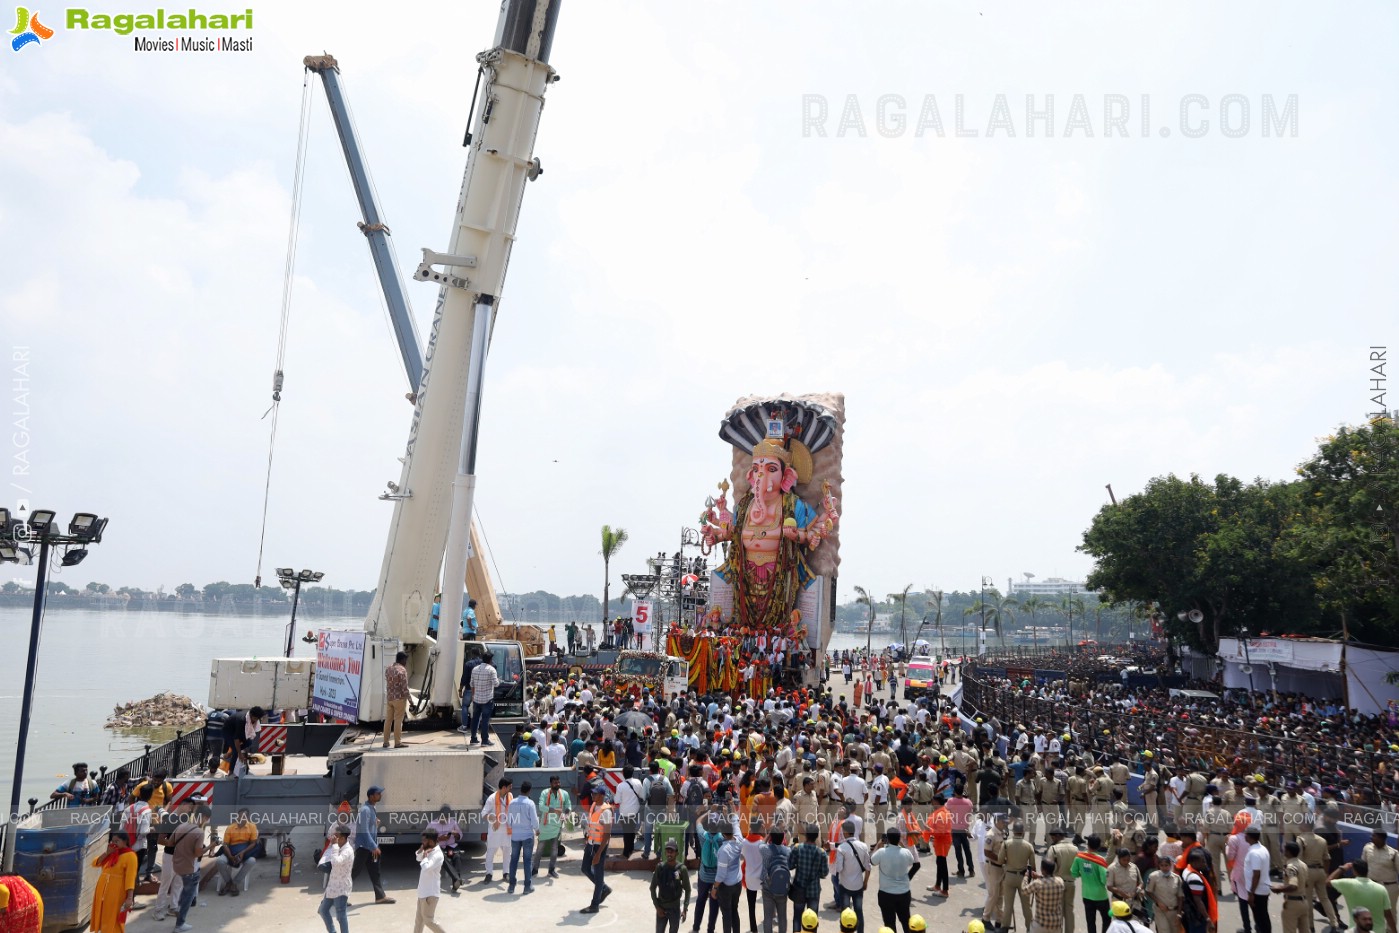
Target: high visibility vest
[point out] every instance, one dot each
(597, 827)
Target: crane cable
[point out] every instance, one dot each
(274, 409)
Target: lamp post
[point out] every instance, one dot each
(16, 534)
(292, 580)
(1248, 663)
(981, 644)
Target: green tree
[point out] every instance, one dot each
(98, 588)
(186, 590)
(933, 601)
(1000, 612)
(902, 600)
(215, 591)
(1346, 528)
(612, 541)
(1212, 547)
(1034, 605)
(864, 599)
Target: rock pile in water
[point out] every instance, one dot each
(164, 710)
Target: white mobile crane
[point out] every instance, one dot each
(431, 531)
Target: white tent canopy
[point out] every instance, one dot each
(1311, 666)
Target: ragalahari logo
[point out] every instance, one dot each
(28, 30)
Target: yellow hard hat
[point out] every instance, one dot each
(1148, 754)
(917, 924)
(1067, 737)
(809, 919)
(848, 920)
(1121, 909)
(976, 926)
(1259, 778)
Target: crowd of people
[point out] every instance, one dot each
(1199, 726)
(796, 803)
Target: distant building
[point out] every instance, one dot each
(1049, 586)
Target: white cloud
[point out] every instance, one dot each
(1015, 322)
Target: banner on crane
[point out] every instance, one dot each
(339, 664)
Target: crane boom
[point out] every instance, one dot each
(432, 512)
(372, 226)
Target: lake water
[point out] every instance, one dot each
(91, 661)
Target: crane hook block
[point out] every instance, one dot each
(426, 272)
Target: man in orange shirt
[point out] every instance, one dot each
(940, 828)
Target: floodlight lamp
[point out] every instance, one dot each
(316, 577)
(41, 519)
(8, 552)
(4, 519)
(285, 572)
(287, 584)
(75, 557)
(82, 525)
(304, 576)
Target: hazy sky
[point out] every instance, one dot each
(1015, 320)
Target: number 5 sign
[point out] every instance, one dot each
(641, 615)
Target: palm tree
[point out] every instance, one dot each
(935, 610)
(902, 600)
(612, 541)
(1069, 605)
(1001, 609)
(1032, 605)
(974, 609)
(863, 599)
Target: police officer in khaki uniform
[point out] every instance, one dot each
(1062, 853)
(1383, 860)
(1217, 824)
(1078, 801)
(1102, 802)
(1316, 855)
(1027, 797)
(1019, 856)
(1052, 797)
(995, 871)
(1192, 801)
(1150, 790)
(1294, 811)
(1296, 891)
(1165, 889)
(1119, 773)
(1270, 812)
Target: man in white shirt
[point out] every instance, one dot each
(879, 791)
(853, 789)
(628, 797)
(429, 858)
(554, 753)
(1175, 793)
(851, 871)
(1257, 863)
